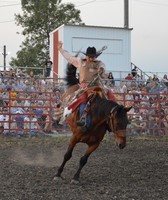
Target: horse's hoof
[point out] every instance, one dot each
(57, 178)
(75, 182)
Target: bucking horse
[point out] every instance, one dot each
(106, 115)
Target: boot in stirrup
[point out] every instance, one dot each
(81, 122)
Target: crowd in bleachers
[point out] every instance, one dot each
(30, 105)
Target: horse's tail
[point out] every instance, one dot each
(70, 77)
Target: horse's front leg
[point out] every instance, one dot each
(83, 161)
(67, 157)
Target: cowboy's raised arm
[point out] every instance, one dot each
(76, 61)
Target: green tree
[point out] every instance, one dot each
(39, 18)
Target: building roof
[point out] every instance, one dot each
(91, 26)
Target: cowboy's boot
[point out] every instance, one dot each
(82, 121)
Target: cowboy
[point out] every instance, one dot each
(88, 68)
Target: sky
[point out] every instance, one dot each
(148, 18)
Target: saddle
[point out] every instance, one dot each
(85, 96)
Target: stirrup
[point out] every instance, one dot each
(81, 122)
(84, 129)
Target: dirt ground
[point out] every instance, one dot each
(138, 172)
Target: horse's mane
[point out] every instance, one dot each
(102, 106)
(70, 77)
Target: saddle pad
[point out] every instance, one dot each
(81, 99)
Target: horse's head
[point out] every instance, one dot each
(117, 123)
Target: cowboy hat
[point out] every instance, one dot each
(92, 52)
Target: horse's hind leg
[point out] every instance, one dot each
(83, 161)
(67, 157)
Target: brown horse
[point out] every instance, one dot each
(105, 115)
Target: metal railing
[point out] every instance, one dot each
(30, 114)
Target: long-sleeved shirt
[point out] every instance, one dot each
(87, 69)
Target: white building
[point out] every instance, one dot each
(75, 38)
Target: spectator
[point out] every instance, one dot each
(57, 97)
(61, 87)
(137, 99)
(48, 67)
(5, 97)
(1, 75)
(12, 93)
(26, 86)
(122, 92)
(48, 126)
(135, 125)
(4, 121)
(129, 77)
(111, 78)
(129, 99)
(129, 80)
(155, 90)
(27, 122)
(139, 81)
(34, 126)
(13, 75)
(16, 85)
(165, 122)
(27, 103)
(5, 84)
(155, 78)
(19, 119)
(134, 71)
(20, 105)
(2, 102)
(149, 80)
(165, 80)
(31, 74)
(21, 74)
(123, 87)
(38, 111)
(13, 106)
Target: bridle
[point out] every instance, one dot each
(121, 132)
(110, 118)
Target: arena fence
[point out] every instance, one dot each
(28, 114)
(149, 113)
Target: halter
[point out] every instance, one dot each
(122, 132)
(110, 117)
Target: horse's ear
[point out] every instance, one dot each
(127, 109)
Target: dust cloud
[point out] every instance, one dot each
(46, 159)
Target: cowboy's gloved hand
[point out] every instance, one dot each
(100, 71)
(59, 45)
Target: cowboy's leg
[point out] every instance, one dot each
(84, 109)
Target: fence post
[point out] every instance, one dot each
(159, 113)
(9, 111)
